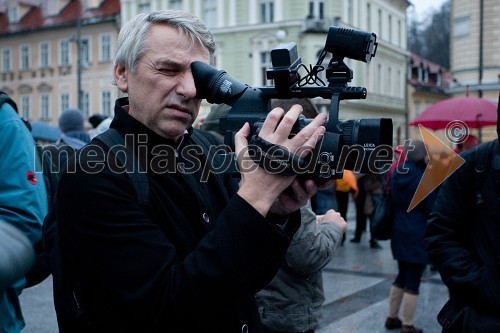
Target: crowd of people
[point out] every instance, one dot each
(226, 254)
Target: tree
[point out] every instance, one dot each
(430, 38)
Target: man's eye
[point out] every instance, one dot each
(167, 70)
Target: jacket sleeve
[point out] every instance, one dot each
(23, 198)
(313, 245)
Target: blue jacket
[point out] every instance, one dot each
(23, 200)
(407, 242)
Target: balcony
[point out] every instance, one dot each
(46, 71)
(8, 76)
(64, 70)
(315, 25)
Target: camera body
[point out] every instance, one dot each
(362, 145)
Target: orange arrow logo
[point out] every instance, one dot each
(443, 161)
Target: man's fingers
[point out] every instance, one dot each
(305, 141)
(240, 138)
(272, 120)
(286, 124)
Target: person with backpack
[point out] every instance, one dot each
(185, 255)
(463, 241)
(23, 204)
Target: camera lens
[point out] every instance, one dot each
(364, 136)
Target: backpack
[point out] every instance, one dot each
(52, 164)
(382, 217)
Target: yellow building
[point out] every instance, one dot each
(40, 66)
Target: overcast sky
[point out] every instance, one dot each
(424, 7)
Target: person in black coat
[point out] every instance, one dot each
(463, 242)
(194, 257)
(407, 242)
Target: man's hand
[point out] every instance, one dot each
(334, 217)
(293, 197)
(261, 188)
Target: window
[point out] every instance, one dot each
(84, 52)
(25, 106)
(106, 103)
(266, 11)
(398, 84)
(380, 23)
(44, 55)
(144, 7)
(380, 79)
(64, 102)
(105, 48)
(6, 68)
(390, 29)
(175, 4)
(14, 13)
(64, 53)
(210, 13)
(417, 108)
(369, 17)
(350, 12)
(25, 57)
(265, 63)
(317, 9)
(44, 107)
(85, 104)
(461, 26)
(400, 34)
(389, 81)
(53, 7)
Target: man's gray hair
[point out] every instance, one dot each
(132, 40)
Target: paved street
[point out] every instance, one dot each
(357, 283)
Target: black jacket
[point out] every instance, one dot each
(463, 234)
(190, 262)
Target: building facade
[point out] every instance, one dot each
(40, 66)
(475, 53)
(475, 48)
(247, 30)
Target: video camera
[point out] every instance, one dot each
(369, 139)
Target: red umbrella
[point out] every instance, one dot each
(473, 111)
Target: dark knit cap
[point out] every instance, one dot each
(71, 120)
(418, 153)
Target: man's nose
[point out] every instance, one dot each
(186, 86)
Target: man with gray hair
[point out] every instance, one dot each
(192, 257)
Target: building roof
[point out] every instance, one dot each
(433, 70)
(416, 60)
(37, 19)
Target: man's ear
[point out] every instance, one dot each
(121, 74)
